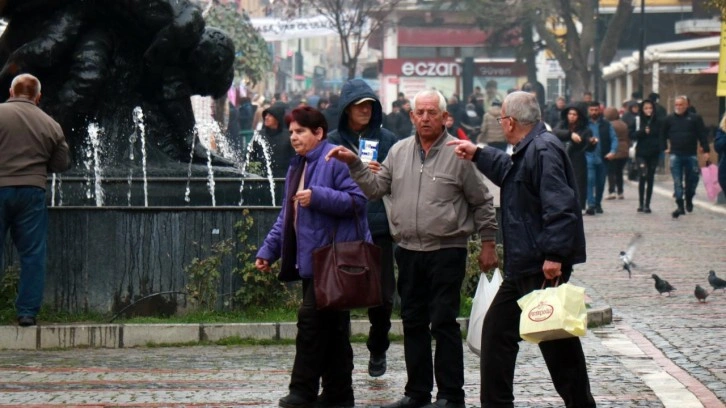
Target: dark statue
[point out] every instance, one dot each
(99, 59)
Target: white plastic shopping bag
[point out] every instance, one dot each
(553, 313)
(485, 292)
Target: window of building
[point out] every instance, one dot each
(416, 52)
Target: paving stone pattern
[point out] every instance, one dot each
(654, 337)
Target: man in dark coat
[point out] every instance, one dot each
(543, 238)
(275, 132)
(359, 129)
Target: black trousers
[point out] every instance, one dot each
(322, 351)
(380, 316)
(430, 284)
(500, 345)
(646, 178)
(615, 175)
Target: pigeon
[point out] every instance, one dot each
(700, 293)
(715, 281)
(662, 286)
(627, 255)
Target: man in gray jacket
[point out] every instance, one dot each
(437, 202)
(31, 144)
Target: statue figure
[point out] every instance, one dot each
(99, 59)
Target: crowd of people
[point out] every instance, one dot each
(425, 198)
(411, 182)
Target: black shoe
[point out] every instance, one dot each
(408, 402)
(324, 402)
(25, 321)
(598, 209)
(377, 365)
(678, 212)
(647, 210)
(295, 401)
(442, 403)
(689, 204)
(641, 209)
(590, 211)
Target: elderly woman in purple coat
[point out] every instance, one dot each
(320, 196)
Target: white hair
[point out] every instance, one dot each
(430, 92)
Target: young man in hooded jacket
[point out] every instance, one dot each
(359, 129)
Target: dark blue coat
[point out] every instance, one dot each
(541, 218)
(352, 91)
(719, 144)
(330, 207)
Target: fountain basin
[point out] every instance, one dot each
(101, 258)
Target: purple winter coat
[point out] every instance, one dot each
(330, 206)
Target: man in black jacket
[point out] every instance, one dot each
(359, 130)
(683, 131)
(543, 238)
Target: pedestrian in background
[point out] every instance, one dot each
(360, 124)
(491, 133)
(605, 144)
(647, 152)
(540, 209)
(720, 146)
(572, 130)
(31, 145)
(437, 202)
(616, 165)
(683, 131)
(320, 198)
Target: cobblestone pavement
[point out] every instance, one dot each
(687, 333)
(661, 352)
(258, 376)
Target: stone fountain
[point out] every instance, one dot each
(145, 196)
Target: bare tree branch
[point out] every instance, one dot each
(354, 21)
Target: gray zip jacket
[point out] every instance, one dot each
(437, 201)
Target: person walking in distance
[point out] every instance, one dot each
(31, 144)
(647, 152)
(437, 202)
(682, 131)
(360, 131)
(543, 237)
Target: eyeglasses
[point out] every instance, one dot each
(501, 118)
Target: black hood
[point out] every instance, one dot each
(582, 118)
(352, 91)
(278, 111)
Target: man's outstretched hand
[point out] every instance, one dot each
(342, 154)
(463, 149)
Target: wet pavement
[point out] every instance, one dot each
(660, 352)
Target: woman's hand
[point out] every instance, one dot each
(303, 197)
(576, 138)
(262, 265)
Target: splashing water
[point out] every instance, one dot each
(139, 122)
(93, 160)
(267, 153)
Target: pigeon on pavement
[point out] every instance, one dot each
(627, 255)
(715, 281)
(700, 293)
(662, 285)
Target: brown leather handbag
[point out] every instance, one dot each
(347, 275)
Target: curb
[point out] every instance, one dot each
(63, 336)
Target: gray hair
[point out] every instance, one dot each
(523, 107)
(430, 92)
(26, 85)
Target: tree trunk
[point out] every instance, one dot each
(351, 65)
